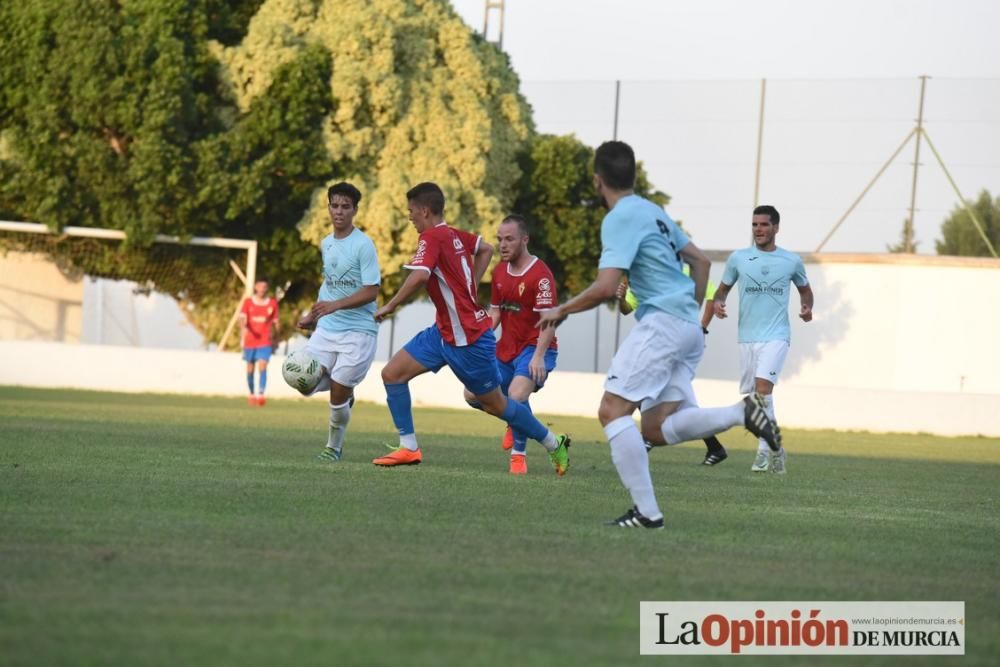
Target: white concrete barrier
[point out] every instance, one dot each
(799, 405)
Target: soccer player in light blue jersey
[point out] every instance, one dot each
(654, 366)
(765, 273)
(345, 335)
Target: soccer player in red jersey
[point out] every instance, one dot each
(450, 263)
(258, 316)
(522, 287)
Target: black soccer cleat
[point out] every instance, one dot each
(715, 457)
(634, 519)
(758, 423)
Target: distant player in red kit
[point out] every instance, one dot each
(523, 286)
(258, 316)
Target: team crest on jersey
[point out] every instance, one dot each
(418, 256)
(520, 289)
(764, 270)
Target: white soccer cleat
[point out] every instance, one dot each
(778, 462)
(763, 461)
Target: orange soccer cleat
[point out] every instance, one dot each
(508, 438)
(400, 456)
(261, 400)
(519, 464)
(252, 401)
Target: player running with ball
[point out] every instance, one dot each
(345, 334)
(450, 263)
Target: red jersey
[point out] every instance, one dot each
(259, 319)
(448, 255)
(519, 297)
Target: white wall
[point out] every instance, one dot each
(127, 369)
(898, 344)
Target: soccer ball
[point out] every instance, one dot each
(302, 372)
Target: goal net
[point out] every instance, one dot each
(42, 277)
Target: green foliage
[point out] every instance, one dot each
(417, 97)
(564, 210)
(114, 116)
(959, 235)
(906, 243)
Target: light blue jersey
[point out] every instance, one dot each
(349, 264)
(640, 238)
(764, 279)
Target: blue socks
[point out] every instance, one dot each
(519, 416)
(520, 439)
(400, 407)
(263, 381)
(250, 381)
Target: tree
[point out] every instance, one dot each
(558, 198)
(959, 235)
(417, 97)
(113, 115)
(907, 243)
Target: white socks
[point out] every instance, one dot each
(699, 423)
(549, 442)
(769, 409)
(409, 441)
(628, 453)
(340, 416)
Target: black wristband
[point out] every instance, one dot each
(705, 329)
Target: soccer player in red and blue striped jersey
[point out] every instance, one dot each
(450, 263)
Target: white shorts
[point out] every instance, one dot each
(761, 360)
(345, 355)
(656, 361)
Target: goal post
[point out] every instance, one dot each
(31, 237)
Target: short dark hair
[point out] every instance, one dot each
(261, 279)
(344, 190)
(519, 220)
(767, 209)
(429, 195)
(614, 162)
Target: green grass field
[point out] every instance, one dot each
(184, 530)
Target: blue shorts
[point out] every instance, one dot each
(519, 366)
(252, 354)
(474, 365)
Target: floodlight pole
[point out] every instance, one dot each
(908, 229)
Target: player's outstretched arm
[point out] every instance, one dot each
(806, 298)
(414, 282)
(601, 290)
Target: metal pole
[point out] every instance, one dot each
(865, 191)
(908, 229)
(968, 209)
(760, 143)
(614, 135)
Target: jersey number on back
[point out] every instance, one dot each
(666, 232)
